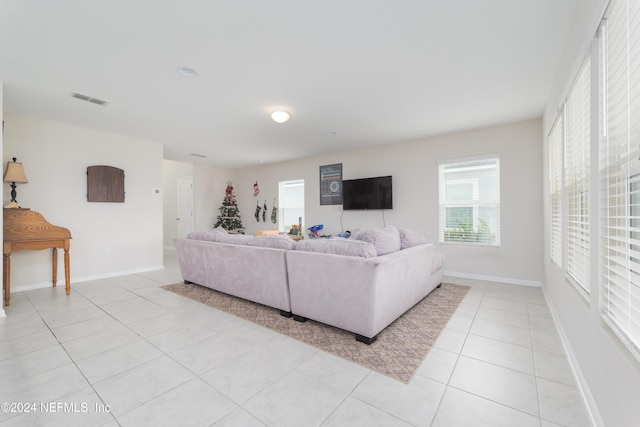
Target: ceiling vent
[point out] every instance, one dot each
(198, 155)
(89, 99)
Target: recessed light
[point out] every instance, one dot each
(331, 133)
(280, 116)
(187, 71)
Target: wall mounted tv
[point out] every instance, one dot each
(367, 193)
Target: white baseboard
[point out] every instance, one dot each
(33, 286)
(583, 387)
(498, 279)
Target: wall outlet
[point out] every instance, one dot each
(155, 191)
(107, 250)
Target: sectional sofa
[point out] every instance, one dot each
(361, 284)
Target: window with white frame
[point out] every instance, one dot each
(470, 202)
(291, 203)
(577, 120)
(569, 181)
(556, 139)
(620, 171)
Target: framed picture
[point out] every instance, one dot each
(331, 184)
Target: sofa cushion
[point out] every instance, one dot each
(234, 239)
(410, 237)
(209, 235)
(273, 241)
(347, 247)
(385, 240)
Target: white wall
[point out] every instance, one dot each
(608, 374)
(55, 158)
(2, 313)
(414, 168)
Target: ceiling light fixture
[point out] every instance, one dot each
(280, 116)
(187, 71)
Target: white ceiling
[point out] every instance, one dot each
(370, 71)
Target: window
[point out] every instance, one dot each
(620, 171)
(555, 189)
(569, 181)
(470, 202)
(291, 203)
(577, 119)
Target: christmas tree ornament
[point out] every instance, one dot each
(229, 216)
(258, 207)
(256, 190)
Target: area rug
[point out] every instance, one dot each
(398, 352)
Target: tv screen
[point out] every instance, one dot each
(367, 193)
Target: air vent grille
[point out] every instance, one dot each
(89, 98)
(197, 155)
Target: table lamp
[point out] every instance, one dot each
(15, 175)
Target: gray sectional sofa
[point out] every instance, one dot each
(360, 284)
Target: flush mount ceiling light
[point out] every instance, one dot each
(187, 71)
(280, 116)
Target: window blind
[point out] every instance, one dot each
(576, 179)
(620, 171)
(470, 202)
(555, 188)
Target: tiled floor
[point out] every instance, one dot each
(121, 351)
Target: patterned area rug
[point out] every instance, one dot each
(398, 352)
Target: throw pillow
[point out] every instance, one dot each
(385, 240)
(273, 241)
(410, 237)
(234, 239)
(346, 247)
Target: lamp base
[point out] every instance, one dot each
(11, 205)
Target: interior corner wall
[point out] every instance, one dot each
(108, 239)
(608, 374)
(414, 167)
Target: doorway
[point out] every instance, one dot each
(185, 207)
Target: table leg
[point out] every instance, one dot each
(6, 278)
(67, 275)
(54, 276)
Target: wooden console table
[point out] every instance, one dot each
(26, 229)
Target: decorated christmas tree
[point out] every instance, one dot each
(229, 216)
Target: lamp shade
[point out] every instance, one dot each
(15, 173)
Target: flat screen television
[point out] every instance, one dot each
(367, 193)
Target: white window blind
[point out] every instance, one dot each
(556, 137)
(620, 171)
(470, 202)
(576, 179)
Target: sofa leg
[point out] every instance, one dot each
(299, 318)
(440, 285)
(286, 314)
(366, 340)
(186, 282)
